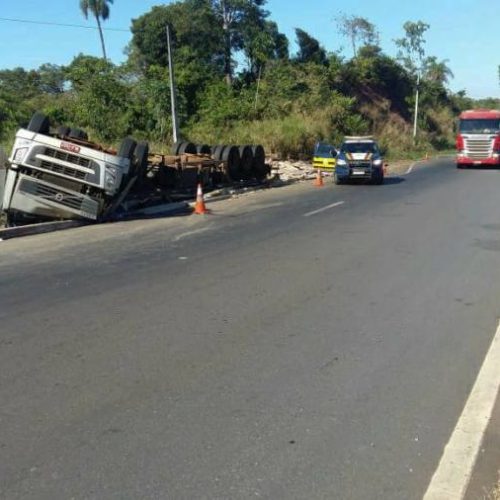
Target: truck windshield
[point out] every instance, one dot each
(359, 147)
(479, 126)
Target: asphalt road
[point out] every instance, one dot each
(269, 350)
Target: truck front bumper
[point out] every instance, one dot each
(465, 160)
(32, 196)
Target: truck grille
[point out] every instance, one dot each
(61, 169)
(68, 157)
(57, 168)
(72, 201)
(478, 148)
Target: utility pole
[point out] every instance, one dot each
(416, 107)
(173, 100)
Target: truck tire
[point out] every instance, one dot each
(141, 153)
(187, 148)
(39, 123)
(79, 134)
(231, 156)
(175, 147)
(246, 160)
(63, 131)
(127, 148)
(203, 149)
(259, 169)
(217, 152)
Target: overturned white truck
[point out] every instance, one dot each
(61, 175)
(64, 176)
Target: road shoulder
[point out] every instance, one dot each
(487, 469)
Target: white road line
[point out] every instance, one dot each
(322, 209)
(190, 233)
(410, 168)
(451, 478)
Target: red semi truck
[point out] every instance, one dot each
(478, 139)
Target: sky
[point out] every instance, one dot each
(465, 32)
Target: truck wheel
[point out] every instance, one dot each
(460, 165)
(337, 180)
(231, 155)
(246, 158)
(259, 169)
(141, 153)
(187, 148)
(217, 152)
(203, 149)
(79, 134)
(39, 123)
(127, 148)
(175, 147)
(63, 131)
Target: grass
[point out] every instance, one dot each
(495, 494)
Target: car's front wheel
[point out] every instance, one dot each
(378, 178)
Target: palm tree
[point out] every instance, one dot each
(100, 10)
(437, 71)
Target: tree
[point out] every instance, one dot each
(262, 44)
(101, 97)
(51, 78)
(437, 71)
(232, 16)
(100, 10)
(358, 29)
(194, 31)
(411, 46)
(412, 53)
(309, 48)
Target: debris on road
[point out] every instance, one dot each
(287, 170)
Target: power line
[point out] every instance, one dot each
(48, 23)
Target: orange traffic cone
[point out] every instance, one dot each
(200, 207)
(318, 182)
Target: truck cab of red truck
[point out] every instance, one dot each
(478, 139)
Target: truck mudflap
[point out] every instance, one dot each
(36, 197)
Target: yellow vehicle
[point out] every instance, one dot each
(325, 156)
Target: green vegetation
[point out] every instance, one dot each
(284, 101)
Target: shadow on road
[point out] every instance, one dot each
(393, 180)
(480, 167)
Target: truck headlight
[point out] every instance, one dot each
(19, 155)
(377, 163)
(341, 163)
(110, 178)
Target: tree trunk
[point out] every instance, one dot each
(102, 37)
(228, 73)
(227, 45)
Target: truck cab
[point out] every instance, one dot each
(478, 139)
(58, 176)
